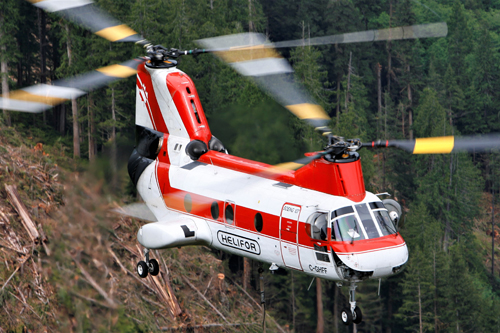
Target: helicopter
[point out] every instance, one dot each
(312, 215)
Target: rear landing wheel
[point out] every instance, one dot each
(142, 269)
(357, 316)
(346, 316)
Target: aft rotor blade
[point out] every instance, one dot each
(43, 96)
(442, 145)
(271, 72)
(88, 15)
(397, 33)
(428, 30)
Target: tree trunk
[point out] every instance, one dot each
(74, 106)
(91, 129)
(4, 72)
(62, 119)
(250, 22)
(114, 155)
(492, 233)
(246, 273)
(336, 296)
(5, 83)
(319, 305)
(339, 77)
(293, 302)
(379, 91)
(420, 309)
(435, 292)
(389, 57)
(389, 308)
(41, 33)
(447, 228)
(349, 70)
(410, 105)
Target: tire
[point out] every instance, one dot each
(357, 316)
(153, 267)
(142, 269)
(346, 316)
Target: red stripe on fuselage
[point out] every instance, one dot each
(200, 206)
(368, 245)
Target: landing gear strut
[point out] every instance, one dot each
(353, 313)
(148, 266)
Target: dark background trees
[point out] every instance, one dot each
(398, 89)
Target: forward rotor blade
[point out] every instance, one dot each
(442, 145)
(86, 14)
(271, 72)
(43, 96)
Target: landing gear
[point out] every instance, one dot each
(150, 266)
(353, 313)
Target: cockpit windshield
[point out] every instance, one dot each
(361, 221)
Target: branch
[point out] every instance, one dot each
(205, 299)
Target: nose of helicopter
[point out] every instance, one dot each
(383, 257)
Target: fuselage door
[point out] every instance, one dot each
(288, 235)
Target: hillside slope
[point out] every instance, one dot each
(82, 279)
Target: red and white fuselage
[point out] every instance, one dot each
(299, 220)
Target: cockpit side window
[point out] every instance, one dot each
(317, 226)
(347, 228)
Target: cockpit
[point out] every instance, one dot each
(361, 221)
(351, 223)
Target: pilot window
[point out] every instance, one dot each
(317, 226)
(367, 220)
(385, 222)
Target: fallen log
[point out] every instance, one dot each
(19, 206)
(94, 284)
(205, 299)
(190, 327)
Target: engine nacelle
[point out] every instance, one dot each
(179, 232)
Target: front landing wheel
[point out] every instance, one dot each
(142, 269)
(153, 267)
(357, 316)
(346, 316)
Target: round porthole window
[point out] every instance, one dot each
(259, 223)
(214, 209)
(229, 214)
(188, 203)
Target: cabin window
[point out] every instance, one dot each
(317, 226)
(188, 90)
(188, 203)
(214, 210)
(322, 253)
(258, 222)
(229, 214)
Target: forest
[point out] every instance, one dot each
(401, 89)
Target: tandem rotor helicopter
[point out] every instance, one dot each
(312, 215)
